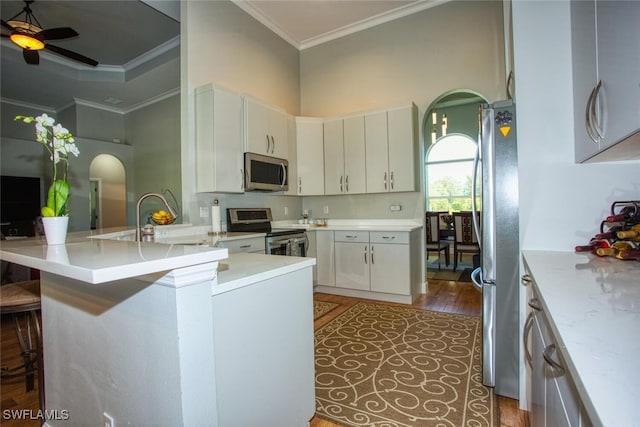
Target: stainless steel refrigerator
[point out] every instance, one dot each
(498, 274)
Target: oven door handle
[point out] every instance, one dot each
(306, 244)
(278, 243)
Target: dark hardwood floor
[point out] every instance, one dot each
(447, 296)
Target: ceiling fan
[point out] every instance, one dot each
(28, 34)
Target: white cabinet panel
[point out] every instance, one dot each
(309, 179)
(352, 265)
(390, 270)
(377, 152)
(403, 148)
(333, 157)
(325, 258)
(219, 148)
(354, 156)
(606, 83)
(265, 129)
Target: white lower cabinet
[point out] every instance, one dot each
(325, 258)
(376, 261)
(352, 260)
(312, 252)
(553, 398)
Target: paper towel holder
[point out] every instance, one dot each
(216, 219)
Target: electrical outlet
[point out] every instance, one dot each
(396, 207)
(204, 212)
(325, 209)
(286, 211)
(108, 420)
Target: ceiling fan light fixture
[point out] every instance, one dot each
(25, 41)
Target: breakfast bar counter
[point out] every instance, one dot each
(147, 334)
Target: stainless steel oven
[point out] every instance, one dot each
(287, 242)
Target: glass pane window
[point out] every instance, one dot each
(449, 173)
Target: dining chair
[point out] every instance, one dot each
(465, 240)
(434, 241)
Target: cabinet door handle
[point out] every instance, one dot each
(299, 185)
(392, 180)
(341, 183)
(346, 183)
(526, 331)
(597, 126)
(349, 236)
(385, 180)
(547, 353)
(273, 145)
(245, 246)
(534, 304)
(268, 143)
(526, 280)
(365, 255)
(241, 178)
(589, 114)
(372, 261)
(389, 237)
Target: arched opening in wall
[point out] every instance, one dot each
(451, 129)
(108, 196)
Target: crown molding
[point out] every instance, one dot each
(373, 21)
(22, 104)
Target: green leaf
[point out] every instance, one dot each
(57, 197)
(47, 211)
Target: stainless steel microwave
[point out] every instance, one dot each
(264, 173)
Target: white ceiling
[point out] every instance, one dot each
(109, 32)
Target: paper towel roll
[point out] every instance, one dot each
(216, 225)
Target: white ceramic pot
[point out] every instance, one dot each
(55, 229)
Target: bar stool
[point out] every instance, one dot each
(22, 301)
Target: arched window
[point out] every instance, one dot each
(449, 173)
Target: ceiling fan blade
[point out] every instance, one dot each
(56, 34)
(31, 56)
(72, 55)
(7, 26)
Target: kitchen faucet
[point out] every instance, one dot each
(144, 196)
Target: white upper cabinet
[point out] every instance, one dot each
(391, 150)
(219, 147)
(309, 165)
(354, 156)
(265, 129)
(344, 161)
(606, 81)
(333, 157)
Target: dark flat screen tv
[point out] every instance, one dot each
(20, 202)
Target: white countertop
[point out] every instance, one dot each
(593, 305)
(242, 269)
(103, 260)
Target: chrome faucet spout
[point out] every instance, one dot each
(144, 196)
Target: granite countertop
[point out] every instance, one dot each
(593, 307)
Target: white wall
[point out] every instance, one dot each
(561, 203)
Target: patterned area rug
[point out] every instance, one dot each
(380, 365)
(320, 308)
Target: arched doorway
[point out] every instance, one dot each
(108, 196)
(451, 129)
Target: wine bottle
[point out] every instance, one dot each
(592, 246)
(632, 233)
(629, 254)
(628, 213)
(615, 248)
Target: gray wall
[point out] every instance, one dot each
(223, 44)
(154, 131)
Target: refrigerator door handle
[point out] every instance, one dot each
(474, 182)
(488, 333)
